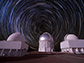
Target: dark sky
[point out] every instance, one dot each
(34, 17)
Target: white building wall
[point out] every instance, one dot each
(42, 46)
(76, 43)
(13, 48)
(64, 44)
(10, 44)
(74, 46)
(46, 46)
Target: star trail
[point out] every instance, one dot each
(34, 17)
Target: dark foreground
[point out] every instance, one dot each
(35, 57)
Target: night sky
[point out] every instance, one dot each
(34, 17)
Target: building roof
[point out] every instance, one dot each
(70, 37)
(46, 36)
(16, 37)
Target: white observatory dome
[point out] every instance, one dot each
(46, 43)
(16, 37)
(70, 37)
(46, 36)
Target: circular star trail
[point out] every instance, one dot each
(34, 17)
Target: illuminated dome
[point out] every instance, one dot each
(46, 43)
(46, 36)
(15, 37)
(70, 37)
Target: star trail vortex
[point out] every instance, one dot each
(34, 17)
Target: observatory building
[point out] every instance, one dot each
(14, 46)
(72, 44)
(46, 43)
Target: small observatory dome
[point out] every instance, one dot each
(70, 37)
(16, 37)
(46, 43)
(46, 36)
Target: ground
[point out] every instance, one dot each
(36, 57)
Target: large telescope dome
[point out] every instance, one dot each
(16, 37)
(70, 37)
